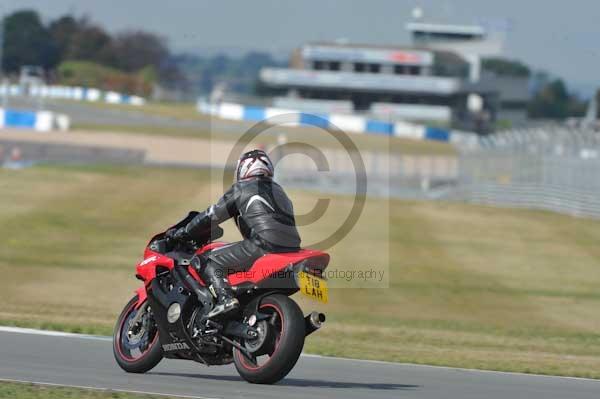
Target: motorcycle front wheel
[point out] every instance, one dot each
(136, 346)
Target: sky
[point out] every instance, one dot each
(562, 37)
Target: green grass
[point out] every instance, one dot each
(465, 285)
(149, 130)
(11, 390)
(48, 325)
(171, 110)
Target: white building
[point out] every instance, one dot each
(438, 78)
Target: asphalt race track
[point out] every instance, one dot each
(86, 361)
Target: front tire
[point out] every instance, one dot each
(287, 323)
(141, 351)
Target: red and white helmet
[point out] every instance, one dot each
(253, 163)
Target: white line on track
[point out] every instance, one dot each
(50, 384)
(32, 331)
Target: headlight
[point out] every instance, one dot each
(173, 312)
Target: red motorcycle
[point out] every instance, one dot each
(264, 338)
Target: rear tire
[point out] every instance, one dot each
(287, 349)
(149, 356)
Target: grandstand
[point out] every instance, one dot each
(436, 79)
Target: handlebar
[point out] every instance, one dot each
(163, 244)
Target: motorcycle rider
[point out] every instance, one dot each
(264, 216)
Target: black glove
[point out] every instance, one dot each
(180, 234)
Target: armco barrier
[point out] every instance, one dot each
(550, 167)
(347, 123)
(43, 152)
(41, 121)
(71, 93)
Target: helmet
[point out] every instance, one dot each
(253, 163)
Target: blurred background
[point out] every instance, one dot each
(477, 124)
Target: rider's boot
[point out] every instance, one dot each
(226, 302)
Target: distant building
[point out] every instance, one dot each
(31, 75)
(438, 79)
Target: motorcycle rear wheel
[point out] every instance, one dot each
(139, 353)
(287, 323)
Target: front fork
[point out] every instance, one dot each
(138, 316)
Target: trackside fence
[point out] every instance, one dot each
(565, 185)
(551, 168)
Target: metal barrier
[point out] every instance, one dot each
(59, 153)
(387, 175)
(70, 93)
(553, 168)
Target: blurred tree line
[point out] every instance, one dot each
(76, 51)
(506, 67)
(240, 74)
(551, 99)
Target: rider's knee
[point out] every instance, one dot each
(198, 263)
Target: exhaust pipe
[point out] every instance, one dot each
(313, 322)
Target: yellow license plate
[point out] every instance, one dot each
(313, 287)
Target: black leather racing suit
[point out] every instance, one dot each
(265, 217)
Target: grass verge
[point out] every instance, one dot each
(170, 110)
(466, 286)
(12, 390)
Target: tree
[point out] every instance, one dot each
(504, 67)
(88, 42)
(554, 101)
(27, 42)
(62, 31)
(134, 50)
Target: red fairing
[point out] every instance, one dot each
(142, 295)
(146, 269)
(273, 263)
(210, 246)
(264, 267)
